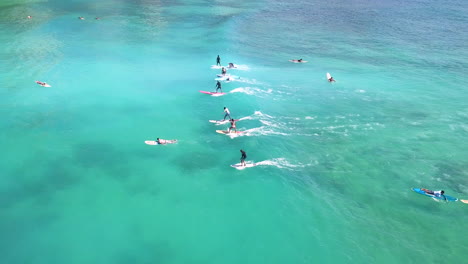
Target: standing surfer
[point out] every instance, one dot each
(233, 126)
(218, 61)
(218, 86)
(243, 157)
(227, 113)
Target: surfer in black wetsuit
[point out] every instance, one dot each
(243, 157)
(231, 65)
(218, 61)
(223, 71)
(218, 86)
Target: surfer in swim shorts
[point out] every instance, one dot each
(233, 126)
(161, 141)
(41, 83)
(227, 113)
(243, 157)
(435, 193)
(331, 79)
(223, 71)
(218, 87)
(218, 61)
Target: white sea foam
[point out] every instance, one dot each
(281, 163)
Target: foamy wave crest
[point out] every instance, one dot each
(281, 163)
(260, 114)
(263, 130)
(237, 67)
(250, 90)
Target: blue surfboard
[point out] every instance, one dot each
(449, 198)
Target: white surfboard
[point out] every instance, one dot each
(328, 76)
(241, 167)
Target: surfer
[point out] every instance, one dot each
(331, 79)
(231, 65)
(218, 61)
(41, 83)
(81, 18)
(243, 157)
(161, 141)
(299, 60)
(29, 17)
(227, 113)
(223, 71)
(435, 193)
(218, 87)
(233, 126)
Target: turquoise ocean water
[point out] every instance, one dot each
(336, 161)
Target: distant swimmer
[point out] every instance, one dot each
(223, 71)
(231, 65)
(218, 86)
(81, 18)
(233, 125)
(226, 113)
(97, 18)
(29, 17)
(435, 193)
(218, 61)
(243, 157)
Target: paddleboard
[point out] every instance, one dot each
(44, 85)
(227, 133)
(240, 167)
(296, 61)
(328, 76)
(152, 142)
(449, 198)
(212, 93)
(219, 121)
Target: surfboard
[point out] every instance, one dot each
(211, 93)
(45, 84)
(227, 133)
(296, 61)
(219, 121)
(153, 142)
(240, 167)
(449, 198)
(328, 76)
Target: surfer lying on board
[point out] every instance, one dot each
(218, 87)
(41, 83)
(227, 113)
(435, 193)
(233, 125)
(161, 141)
(231, 65)
(243, 157)
(331, 79)
(218, 61)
